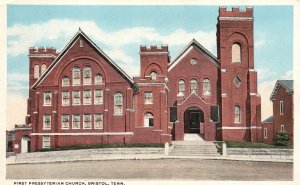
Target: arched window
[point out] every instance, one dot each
(98, 79)
(118, 104)
(153, 75)
(148, 120)
(43, 69)
(65, 81)
(181, 87)
(87, 76)
(237, 114)
(194, 86)
(236, 53)
(206, 87)
(76, 76)
(36, 71)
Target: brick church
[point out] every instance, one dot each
(81, 96)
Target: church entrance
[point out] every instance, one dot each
(193, 119)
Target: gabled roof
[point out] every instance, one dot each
(268, 120)
(80, 33)
(200, 48)
(287, 84)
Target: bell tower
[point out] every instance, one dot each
(240, 102)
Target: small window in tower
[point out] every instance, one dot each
(237, 114)
(237, 81)
(81, 43)
(148, 98)
(148, 120)
(36, 71)
(236, 53)
(43, 68)
(153, 75)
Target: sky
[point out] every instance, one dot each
(120, 30)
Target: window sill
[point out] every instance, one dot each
(66, 128)
(65, 105)
(118, 114)
(87, 104)
(88, 128)
(99, 128)
(76, 104)
(46, 128)
(47, 105)
(75, 128)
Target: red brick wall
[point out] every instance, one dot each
(287, 118)
(240, 31)
(270, 137)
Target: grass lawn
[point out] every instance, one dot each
(78, 147)
(234, 144)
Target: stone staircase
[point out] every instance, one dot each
(193, 146)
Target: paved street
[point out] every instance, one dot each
(169, 169)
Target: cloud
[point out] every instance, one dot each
(17, 81)
(16, 110)
(23, 36)
(265, 89)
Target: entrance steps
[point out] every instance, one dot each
(194, 148)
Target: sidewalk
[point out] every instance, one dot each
(121, 154)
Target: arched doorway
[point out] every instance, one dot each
(193, 117)
(25, 144)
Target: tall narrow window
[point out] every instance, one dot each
(65, 81)
(281, 128)
(36, 71)
(43, 68)
(148, 120)
(236, 53)
(87, 97)
(87, 76)
(281, 107)
(76, 97)
(87, 121)
(47, 98)
(237, 114)
(98, 97)
(153, 75)
(76, 76)
(148, 98)
(46, 122)
(65, 121)
(98, 79)
(181, 87)
(194, 86)
(98, 121)
(65, 98)
(265, 133)
(206, 87)
(46, 142)
(76, 121)
(81, 43)
(118, 104)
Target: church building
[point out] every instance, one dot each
(81, 96)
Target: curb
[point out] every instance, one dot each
(149, 158)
